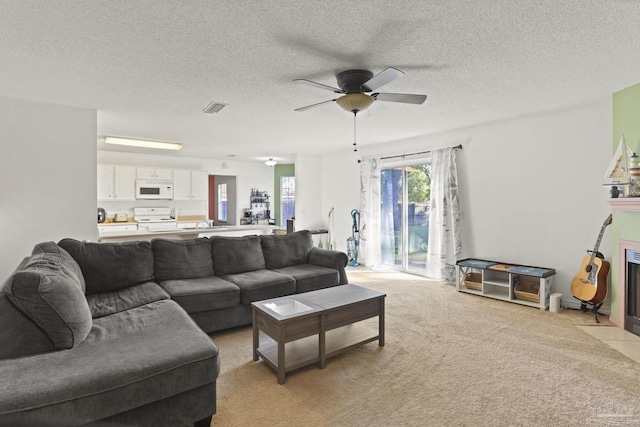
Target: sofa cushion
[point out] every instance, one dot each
(113, 302)
(233, 255)
(48, 289)
(311, 277)
(182, 259)
(111, 266)
(130, 359)
(262, 284)
(286, 250)
(203, 294)
(19, 335)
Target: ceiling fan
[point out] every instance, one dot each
(355, 84)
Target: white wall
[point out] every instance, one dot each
(530, 187)
(309, 192)
(249, 175)
(48, 174)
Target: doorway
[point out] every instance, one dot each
(404, 216)
(222, 199)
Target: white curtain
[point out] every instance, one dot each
(369, 213)
(445, 242)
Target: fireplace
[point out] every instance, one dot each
(632, 294)
(625, 291)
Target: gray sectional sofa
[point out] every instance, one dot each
(112, 333)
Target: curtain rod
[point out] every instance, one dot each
(457, 147)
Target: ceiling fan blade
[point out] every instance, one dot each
(399, 97)
(319, 85)
(313, 105)
(382, 78)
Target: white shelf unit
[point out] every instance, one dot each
(506, 284)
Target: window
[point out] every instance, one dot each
(287, 198)
(222, 202)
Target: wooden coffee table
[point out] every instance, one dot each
(330, 314)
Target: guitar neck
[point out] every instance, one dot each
(595, 248)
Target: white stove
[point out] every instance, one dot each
(154, 219)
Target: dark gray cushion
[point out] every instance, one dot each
(232, 255)
(330, 259)
(311, 277)
(111, 266)
(129, 360)
(182, 259)
(203, 294)
(19, 335)
(112, 302)
(286, 250)
(48, 290)
(262, 284)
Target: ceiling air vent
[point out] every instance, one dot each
(214, 107)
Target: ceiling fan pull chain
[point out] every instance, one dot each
(354, 132)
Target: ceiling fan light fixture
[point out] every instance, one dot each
(270, 162)
(354, 102)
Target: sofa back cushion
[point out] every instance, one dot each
(111, 266)
(286, 250)
(182, 259)
(48, 288)
(233, 255)
(19, 335)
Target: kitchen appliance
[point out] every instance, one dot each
(121, 217)
(102, 215)
(157, 219)
(154, 190)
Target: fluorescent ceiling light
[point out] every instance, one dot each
(145, 143)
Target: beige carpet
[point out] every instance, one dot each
(450, 359)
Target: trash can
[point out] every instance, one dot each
(555, 303)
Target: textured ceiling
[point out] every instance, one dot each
(150, 67)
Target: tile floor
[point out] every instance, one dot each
(623, 341)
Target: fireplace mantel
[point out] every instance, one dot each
(629, 204)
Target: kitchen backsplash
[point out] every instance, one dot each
(184, 207)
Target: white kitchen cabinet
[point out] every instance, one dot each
(181, 184)
(199, 185)
(125, 227)
(154, 173)
(116, 182)
(124, 182)
(190, 185)
(105, 182)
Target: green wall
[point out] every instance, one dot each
(626, 225)
(279, 171)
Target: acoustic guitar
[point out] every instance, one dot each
(590, 284)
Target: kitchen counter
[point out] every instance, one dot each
(178, 233)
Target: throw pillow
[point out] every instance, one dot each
(233, 255)
(49, 289)
(282, 251)
(111, 266)
(182, 259)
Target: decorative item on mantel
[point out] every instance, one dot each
(617, 175)
(634, 176)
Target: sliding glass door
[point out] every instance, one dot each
(404, 216)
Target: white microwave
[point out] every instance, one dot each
(154, 190)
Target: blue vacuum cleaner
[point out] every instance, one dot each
(353, 242)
